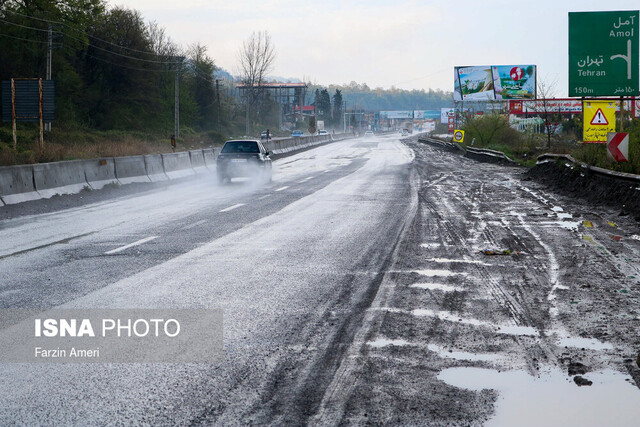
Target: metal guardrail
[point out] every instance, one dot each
(474, 152)
(549, 157)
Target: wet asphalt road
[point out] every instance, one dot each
(356, 288)
(292, 264)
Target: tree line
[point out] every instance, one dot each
(361, 96)
(112, 69)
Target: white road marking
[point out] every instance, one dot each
(282, 188)
(264, 197)
(125, 247)
(230, 208)
(195, 224)
(305, 180)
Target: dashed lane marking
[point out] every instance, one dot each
(195, 224)
(130, 245)
(230, 208)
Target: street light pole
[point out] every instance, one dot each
(344, 113)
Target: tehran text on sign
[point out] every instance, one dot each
(603, 53)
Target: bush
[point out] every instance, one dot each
(491, 129)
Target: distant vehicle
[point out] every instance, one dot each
(297, 133)
(323, 132)
(368, 134)
(243, 158)
(405, 132)
(265, 134)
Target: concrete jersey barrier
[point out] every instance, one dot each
(131, 169)
(100, 172)
(17, 185)
(59, 178)
(155, 167)
(32, 182)
(177, 165)
(197, 161)
(209, 158)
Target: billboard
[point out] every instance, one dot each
(27, 100)
(603, 49)
(514, 82)
(564, 106)
(494, 82)
(475, 83)
(445, 113)
(396, 114)
(426, 114)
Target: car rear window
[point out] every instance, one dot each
(241, 147)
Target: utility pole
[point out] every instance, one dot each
(218, 102)
(176, 111)
(47, 125)
(344, 113)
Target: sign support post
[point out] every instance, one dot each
(13, 113)
(622, 114)
(40, 114)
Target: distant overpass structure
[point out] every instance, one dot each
(386, 120)
(290, 96)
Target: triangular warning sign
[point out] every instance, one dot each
(599, 118)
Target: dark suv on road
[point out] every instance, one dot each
(243, 158)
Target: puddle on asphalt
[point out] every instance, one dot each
(462, 355)
(439, 273)
(436, 287)
(462, 261)
(384, 342)
(588, 343)
(430, 245)
(552, 398)
(567, 225)
(500, 329)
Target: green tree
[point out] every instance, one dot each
(200, 74)
(337, 108)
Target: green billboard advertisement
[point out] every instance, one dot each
(514, 81)
(603, 53)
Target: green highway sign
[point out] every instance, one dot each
(603, 53)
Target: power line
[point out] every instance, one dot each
(82, 32)
(93, 45)
(24, 26)
(23, 39)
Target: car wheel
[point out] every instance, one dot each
(221, 179)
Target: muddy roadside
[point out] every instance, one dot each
(511, 302)
(597, 189)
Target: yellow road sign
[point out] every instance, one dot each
(599, 119)
(458, 135)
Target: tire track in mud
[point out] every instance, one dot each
(479, 206)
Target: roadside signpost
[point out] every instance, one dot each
(458, 135)
(599, 120)
(618, 146)
(603, 53)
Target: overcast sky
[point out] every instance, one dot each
(402, 43)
